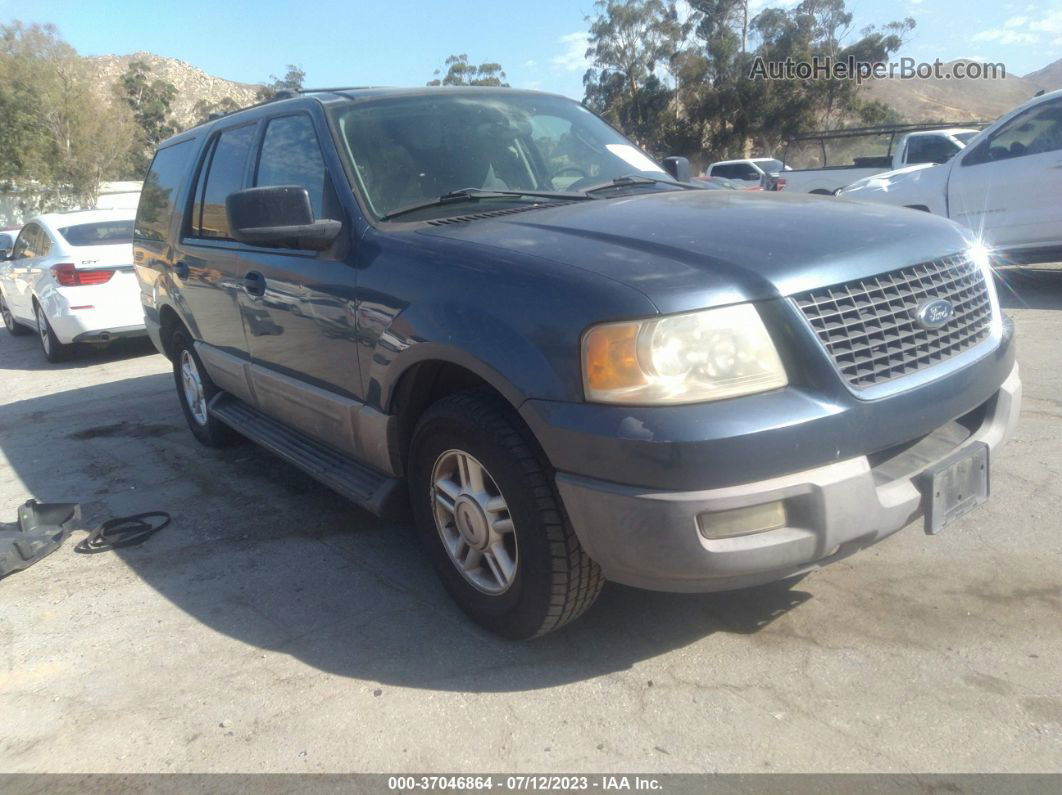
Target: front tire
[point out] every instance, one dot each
(492, 524)
(195, 391)
(14, 328)
(54, 350)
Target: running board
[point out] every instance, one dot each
(382, 495)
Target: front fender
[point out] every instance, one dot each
(515, 364)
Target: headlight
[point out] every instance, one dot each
(699, 356)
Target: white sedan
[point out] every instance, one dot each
(70, 279)
(1005, 185)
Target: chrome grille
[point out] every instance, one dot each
(869, 329)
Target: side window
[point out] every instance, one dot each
(44, 243)
(1036, 131)
(28, 242)
(160, 186)
(291, 155)
(748, 172)
(224, 175)
(929, 149)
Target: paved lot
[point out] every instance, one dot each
(273, 627)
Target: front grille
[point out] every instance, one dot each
(869, 329)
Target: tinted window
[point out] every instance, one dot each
(1036, 131)
(103, 233)
(292, 156)
(30, 242)
(929, 149)
(160, 187)
(225, 171)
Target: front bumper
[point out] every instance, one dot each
(650, 539)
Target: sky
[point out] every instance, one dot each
(540, 43)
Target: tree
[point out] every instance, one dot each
(151, 101)
(291, 81)
(204, 109)
(628, 39)
(460, 72)
(59, 136)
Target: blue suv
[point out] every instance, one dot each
(573, 364)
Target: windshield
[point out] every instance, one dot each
(101, 233)
(771, 166)
(408, 150)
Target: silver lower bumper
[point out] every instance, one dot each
(651, 539)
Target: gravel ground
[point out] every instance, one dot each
(274, 627)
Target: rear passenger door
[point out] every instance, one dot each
(30, 248)
(207, 268)
(300, 322)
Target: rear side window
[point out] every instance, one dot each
(291, 155)
(223, 174)
(160, 188)
(103, 233)
(32, 242)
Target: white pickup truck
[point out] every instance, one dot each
(823, 162)
(1005, 186)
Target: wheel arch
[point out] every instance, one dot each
(430, 379)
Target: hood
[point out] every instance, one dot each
(887, 176)
(691, 249)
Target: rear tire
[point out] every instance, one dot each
(54, 350)
(14, 328)
(195, 391)
(531, 576)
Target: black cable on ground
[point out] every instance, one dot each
(123, 531)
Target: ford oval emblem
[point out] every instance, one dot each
(934, 313)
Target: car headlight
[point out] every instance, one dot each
(706, 355)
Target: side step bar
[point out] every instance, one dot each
(380, 494)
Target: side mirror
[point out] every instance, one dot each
(278, 217)
(5, 254)
(678, 168)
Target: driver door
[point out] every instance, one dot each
(1003, 188)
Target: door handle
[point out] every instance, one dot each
(254, 283)
(181, 269)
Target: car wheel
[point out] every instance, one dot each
(54, 350)
(195, 391)
(493, 526)
(14, 328)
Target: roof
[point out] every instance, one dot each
(744, 160)
(356, 93)
(61, 220)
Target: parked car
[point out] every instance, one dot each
(622, 379)
(756, 173)
(1004, 186)
(70, 279)
(824, 162)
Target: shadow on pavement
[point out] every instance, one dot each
(262, 553)
(24, 353)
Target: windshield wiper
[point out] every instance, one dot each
(475, 194)
(637, 179)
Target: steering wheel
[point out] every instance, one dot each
(579, 172)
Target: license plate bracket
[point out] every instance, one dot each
(953, 487)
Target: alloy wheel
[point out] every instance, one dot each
(474, 522)
(192, 385)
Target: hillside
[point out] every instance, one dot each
(1049, 78)
(193, 84)
(918, 99)
(935, 99)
